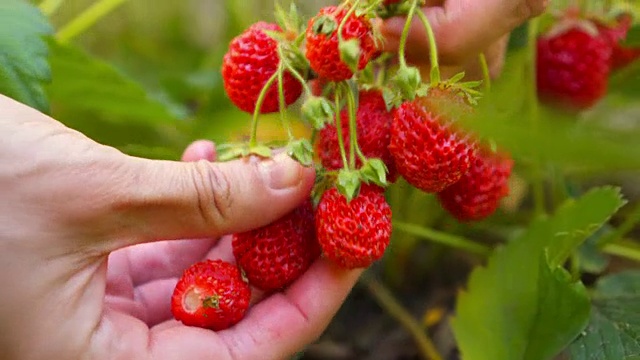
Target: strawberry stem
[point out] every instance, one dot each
(49, 7)
(485, 72)
(627, 250)
(87, 19)
(405, 34)
(433, 48)
(253, 141)
(389, 303)
(352, 9)
(353, 135)
(300, 78)
(281, 99)
(534, 114)
(343, 153)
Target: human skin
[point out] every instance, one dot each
(463, 29)
(88, 259)
(87, 264)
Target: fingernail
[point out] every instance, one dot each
(282, 172)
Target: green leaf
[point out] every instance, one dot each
(613, 332)
(23, 53)
(522, 305)
(633, 37)
(81, 82)
(590, 257)
(577, 220)
(624, 82)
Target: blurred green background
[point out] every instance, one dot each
(175, 50)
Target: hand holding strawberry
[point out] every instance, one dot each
(85, 273)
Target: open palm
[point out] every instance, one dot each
(84, 275)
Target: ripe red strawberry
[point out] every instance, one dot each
(275, 255)
(478, 193)
(319, 87)
(621, 56)
(211, 294)
(429, 151)
(251, 60)
(354, 234)
(373, 124)
(573, 68)
(322, 42)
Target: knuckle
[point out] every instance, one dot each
(213, 191)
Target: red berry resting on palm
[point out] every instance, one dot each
(478, 193)
(275, 255)
(211, 294)
(373, 125)
(429, 151)
(573, 68)
(252, 59)
(354, 234)
(322, 42)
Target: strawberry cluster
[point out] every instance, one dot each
(577, 53)
(373, 123)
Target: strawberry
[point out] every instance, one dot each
(373, 124)
(252, 59)
(429, 151)
(318, 86)
(322, 43)
(573, 66)
(211, 294)
(354, 234)
(621, 56)
(478, 193)
(275, 255)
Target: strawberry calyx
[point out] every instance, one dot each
(212, 301)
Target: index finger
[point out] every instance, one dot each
(462, 28)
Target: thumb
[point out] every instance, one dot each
(165, 200)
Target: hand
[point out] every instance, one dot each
(463, 29)
(85, 275)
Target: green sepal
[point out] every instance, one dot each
(408, 80)
(348, 183)
(324, 25)
(301, 151)
(374, 171)
(350, 53)
(318, 111)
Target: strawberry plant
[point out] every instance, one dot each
(513, 200)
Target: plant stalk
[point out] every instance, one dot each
(49, 7)
(534, 114)
(433, 49)
(405, 34)
(87, 19)
(393, 307)
(453, 241)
